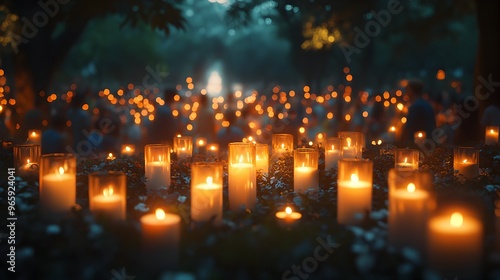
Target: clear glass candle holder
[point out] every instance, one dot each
(411, 202)
(262, 157)
(157, 166)
(242, 175)
(206, 191)
(183, 146)
(27, 159)
(466, 161)
(355, 178)
(352, 144)
(281, 144)
(108, 194)
(305, 172)
(57, 183)
(491, 135)
(406, 160)
(333, 152)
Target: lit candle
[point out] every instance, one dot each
(201, 145)
(26, 158)
(183, 146)
(288, 217)
(206, 191)
(352, 144)
(35, 137)
(109, 204)
(419, 138)
(213, 150)
(406, 159)
(410, 204)
(242, 176)
(348, 151)
(57, 183)
(455, 245)
(111, 157)
(28, 168)
(491, 135)
(305, 173)
(354, 190)
(391, 137)
(465, 162)
(157, 166)
(128, 150)
(332, 152)
(281, 144)
(160, 238)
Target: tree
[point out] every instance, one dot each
(38, 35)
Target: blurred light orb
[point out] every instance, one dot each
(214, 86)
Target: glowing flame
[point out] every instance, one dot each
(283, 146)
(110, 155)
(28, 161)
(61, 170)
(465, 161)
(33, 133)
(108, 191)
(333, 147)
(406, 159)
(209, 180)
(393, 128)
(127, 148)
(420, 135)
(354, 178)
(492, 131)
(288, 210)
(348, 139)
(212, 148)
(241, 159)
(411, 187)
(201, 142)
(456, 220)
(160, 214)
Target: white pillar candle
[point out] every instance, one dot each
(35, 137)
(455, 245)
(354, 190)
(57, 191)
(332, 152)
(305, 173)
(242, 176)
(491, 135)
(157, 166)
(352, 144)
(281, 144)
(206, 191)
(160, 239)
(109, 204)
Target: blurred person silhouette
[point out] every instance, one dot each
(164, 126)
(80, 121)
(231, 133)
(54, 139)
(421, 116)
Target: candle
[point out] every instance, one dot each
(160, 238)
(35, 137)
(157, 166)
(410, 204)
(352, 144)
(213, 150)
(262, 157)
(128, 150)
(201, 145)
(354, 190)
(107, 194)
(305, 173)
(332, 152)
(57, 183)
(183, 146)
(288, 217)
(206, 191)
(465, 162)
(491, 135)
(111, 157)
(455, 245)
(242, 175)
(26, 158)
(419, 138)
(320, 139)
(281, 144)
(391, 136)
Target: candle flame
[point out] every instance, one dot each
(110, 155)
(183, 148)
(456, 220)
(61, 170)
(465, 161)
(241, 158)
(33, 133)
(178, 135)
(160, 214)
(288, 210)
(492, 131)
(320, 136)
(28, 161)
(209, 180)
(283, 145)
(348, 139)
(393, 128)
(108, 191)
(406, 159)
(420, 135)
(201, 142)
(212, 148)
(127, 148)
(333, 147)
(354, 178)
(411, 187)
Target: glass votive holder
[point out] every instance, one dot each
(201, 145)
(206, 191)
(26, 159)
(305, 172)
(127, 150)
(406, 160)
(57, 183)
(491, 135)
(281, 144)
(466, 161)
(333, 152)
(411, 202)
(419, 138)
(35, 137)
(354, 199)
(108, 194)
(242, 175)
(213, 150)
(262, 157)
(352, 144)
(183, 146)
(157, 166)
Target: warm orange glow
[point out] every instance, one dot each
(441, 75)
(456, 220)
(108, 191)
(288, 210)
(411, 187)
(354, 178)
(160, 214)
(61, 170)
